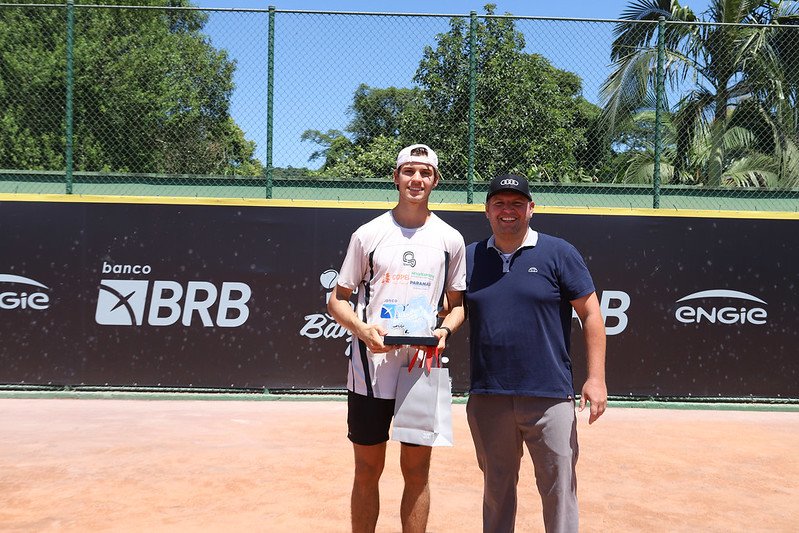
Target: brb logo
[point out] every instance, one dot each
(129, 302)
(741, 313)
(614, 306)
(26, 299)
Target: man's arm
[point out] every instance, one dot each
(453, 319)
(339, 308)
(594, 391)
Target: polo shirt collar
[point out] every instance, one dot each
(530, 240)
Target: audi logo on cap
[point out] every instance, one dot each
(509, 182)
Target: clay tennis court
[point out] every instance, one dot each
(285, 466)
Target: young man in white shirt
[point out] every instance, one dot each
(406, 254)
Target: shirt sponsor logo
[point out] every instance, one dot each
(418, 280)
(396, 277)
(23, 299)
(388, 310)
(408, 259)
(721, 306)
(139, 302)
(421, 280)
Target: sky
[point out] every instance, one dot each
(321, 60)
(604, 9)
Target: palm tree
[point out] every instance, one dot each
(744, 166)
(775, 82)
(732, 63)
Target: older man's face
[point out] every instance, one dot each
(509, 213)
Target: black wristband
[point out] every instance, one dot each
(445, 328)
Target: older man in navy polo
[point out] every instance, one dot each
(521, 288)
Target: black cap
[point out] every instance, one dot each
(509, 182)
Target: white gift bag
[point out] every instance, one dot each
(423, 408)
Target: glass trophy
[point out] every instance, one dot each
(411, 324)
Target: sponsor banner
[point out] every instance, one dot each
(29, 295)
(235, 296)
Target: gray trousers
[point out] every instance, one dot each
(499, 426)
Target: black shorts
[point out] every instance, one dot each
(368, 419)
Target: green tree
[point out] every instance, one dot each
(151, 94)
(380, 112)
(530, 116)
(744, 166)
(729, 127)
(375, 134)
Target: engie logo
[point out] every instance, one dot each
(26, 299)
(741, 313)
(127, 302)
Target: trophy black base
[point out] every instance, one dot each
(402, 340)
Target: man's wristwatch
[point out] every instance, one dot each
(445, 328)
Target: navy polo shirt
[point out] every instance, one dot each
(521, 318)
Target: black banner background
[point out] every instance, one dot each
(288, 257)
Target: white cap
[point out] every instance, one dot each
(418, 153)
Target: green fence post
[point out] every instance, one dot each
(270, 94)
(472, 96)
(70, 87)
(659, 100)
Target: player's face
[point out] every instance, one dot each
(509, 213)
(415, 181)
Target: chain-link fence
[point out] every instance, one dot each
(182, 101)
